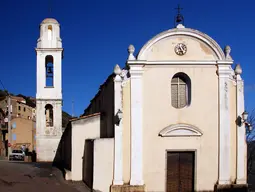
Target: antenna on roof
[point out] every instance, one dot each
(72, 108)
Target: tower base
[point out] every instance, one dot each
(46, 148)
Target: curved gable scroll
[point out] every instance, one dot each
(180, 130)
(195, 34)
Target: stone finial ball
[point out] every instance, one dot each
(131, 49)
(238, 69)
(227, 49)
(117, 70)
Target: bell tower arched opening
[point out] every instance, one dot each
(49, 115)
(49, 70)
(49, 32)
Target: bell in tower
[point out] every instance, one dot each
(49, 72)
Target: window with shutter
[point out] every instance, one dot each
(180, 90)
(174, 98)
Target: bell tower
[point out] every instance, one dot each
(49, 54)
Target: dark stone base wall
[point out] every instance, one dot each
(217, 188)
(231, 188)
(127, 188)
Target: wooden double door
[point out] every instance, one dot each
(180, 172)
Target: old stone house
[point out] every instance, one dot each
(23, 119)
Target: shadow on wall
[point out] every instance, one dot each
(103, 124)
(87, 172)
(63, 157)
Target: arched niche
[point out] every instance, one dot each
(49, 115)
(180, 130)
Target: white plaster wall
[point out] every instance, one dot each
(165, 49)
(233, 168)
(40, 122)
(241, 135)
(103, 164)
(43, 41)
(46, 148)
(158, 113)
(82, 129)
(42, 91)
(48, 138)
(126, 133)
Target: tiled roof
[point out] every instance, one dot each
(84, 117)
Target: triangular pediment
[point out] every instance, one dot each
(180, 130)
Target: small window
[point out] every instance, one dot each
(19, 108)
(24, 109)
(49, 32)
(14, 137)
(14, 125)
(180, 90)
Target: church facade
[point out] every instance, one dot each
(173, 120)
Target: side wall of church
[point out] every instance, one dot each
(103, 103)
(126, 133)
(158, 113)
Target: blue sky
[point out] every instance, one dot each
(96, 35)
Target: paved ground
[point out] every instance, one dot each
(26, 177)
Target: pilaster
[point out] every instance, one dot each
(136, 72)
(118, 144)
(241, 142)
(224, 125)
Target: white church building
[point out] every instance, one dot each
(171, 120)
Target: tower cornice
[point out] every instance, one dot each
(49, 49)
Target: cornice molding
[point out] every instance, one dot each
(179, 62)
